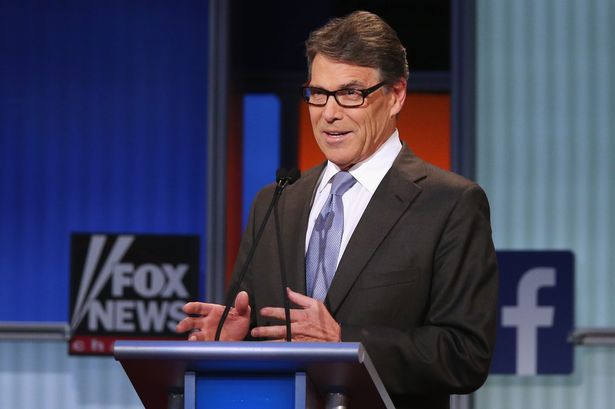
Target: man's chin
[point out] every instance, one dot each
(342, 161)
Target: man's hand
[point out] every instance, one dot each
(205, 324)
(309, 323)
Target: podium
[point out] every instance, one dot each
(203, 375)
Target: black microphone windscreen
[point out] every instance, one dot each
(288, 176)
(280, 174)
(293, 175)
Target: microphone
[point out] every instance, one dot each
(284, 178)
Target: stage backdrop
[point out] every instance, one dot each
(545, 149)
(102, 128)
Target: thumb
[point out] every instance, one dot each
(242, 303)
(299, 299)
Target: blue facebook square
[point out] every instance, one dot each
(535, 314)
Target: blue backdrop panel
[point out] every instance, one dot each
(261, 145)
(102, 128)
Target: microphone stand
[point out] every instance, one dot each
(283, 275)
(284, 179)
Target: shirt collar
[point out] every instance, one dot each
(370, 172)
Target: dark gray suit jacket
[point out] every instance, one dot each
(417, 283)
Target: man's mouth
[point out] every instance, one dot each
(336, 134)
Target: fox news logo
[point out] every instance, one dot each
(535, 314)
(129, 286)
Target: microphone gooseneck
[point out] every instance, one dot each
(284, 178)
(284, 281)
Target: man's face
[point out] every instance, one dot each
(347, 136)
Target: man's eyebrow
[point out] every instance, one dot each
(350, 84)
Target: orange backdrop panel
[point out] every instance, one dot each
(424, 124)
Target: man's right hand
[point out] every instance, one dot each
(204, 319)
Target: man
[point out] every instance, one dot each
(399, 257)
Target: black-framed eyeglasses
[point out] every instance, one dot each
(345, 97)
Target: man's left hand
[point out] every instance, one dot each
(311, 322)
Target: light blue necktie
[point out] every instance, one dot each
(326, 239)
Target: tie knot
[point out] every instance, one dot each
(342, 181)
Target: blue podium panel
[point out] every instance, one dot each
(248, 390)
(245, 391)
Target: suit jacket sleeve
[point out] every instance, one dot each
(448, 350)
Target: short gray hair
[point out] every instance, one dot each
(360, 38)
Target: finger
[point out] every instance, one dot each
(198, 308)
(299, 299)
(184, 325)
(273, 332)
(199, 336)
(190, 323)
(280, 314)
(273, 312)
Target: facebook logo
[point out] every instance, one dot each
(535, 314)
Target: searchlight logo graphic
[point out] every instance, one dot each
(129, 286)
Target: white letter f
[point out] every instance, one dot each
(527, 316)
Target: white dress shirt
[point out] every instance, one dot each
(368, 173)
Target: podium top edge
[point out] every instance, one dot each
(246, 350)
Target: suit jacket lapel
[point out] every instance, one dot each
(392, 198)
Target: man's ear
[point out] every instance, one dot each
(398, 92)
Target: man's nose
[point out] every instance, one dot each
(332, 110)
